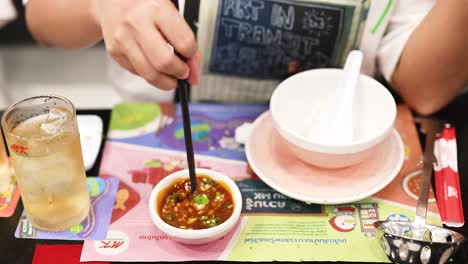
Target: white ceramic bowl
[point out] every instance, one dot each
(298, 100)
(195, 236)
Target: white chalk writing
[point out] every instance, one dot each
(274, 38)
(282, 19)
(243, 9)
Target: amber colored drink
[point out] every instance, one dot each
(46, 153)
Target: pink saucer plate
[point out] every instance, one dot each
(271, 159)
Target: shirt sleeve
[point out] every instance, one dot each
(407, 15)
(7, 12)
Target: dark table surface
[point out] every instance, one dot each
(13, 250)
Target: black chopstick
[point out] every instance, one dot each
(184, 105)
(182, 86)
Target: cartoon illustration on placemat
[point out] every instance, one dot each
(153, 171)
(160, 126)
(411, 184)
(207, 134)
(133, 119)
(398, 217)
(98, 189)
(126, 199)
(344, 219)
(120, 199)
(368, 214)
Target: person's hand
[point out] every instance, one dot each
(137, 33)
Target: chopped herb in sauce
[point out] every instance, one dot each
(200, 199)
(208, 181)
(213, 222)
(207, 207)
(172, 197)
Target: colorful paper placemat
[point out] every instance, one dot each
(9, 193)
(272, 227)
(103, 192)
(160, 126)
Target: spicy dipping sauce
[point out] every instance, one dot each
(210, 205)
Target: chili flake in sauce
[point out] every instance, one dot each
(210, 205)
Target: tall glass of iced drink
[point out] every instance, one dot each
(44, 143)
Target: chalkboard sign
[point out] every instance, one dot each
(276, 38)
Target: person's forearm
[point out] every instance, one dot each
(65, 24)
(433, 67)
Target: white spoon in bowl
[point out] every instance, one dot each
(335, 123)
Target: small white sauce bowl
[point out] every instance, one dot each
(200, 236)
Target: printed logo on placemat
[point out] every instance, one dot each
(27, 230)
(259, 198)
